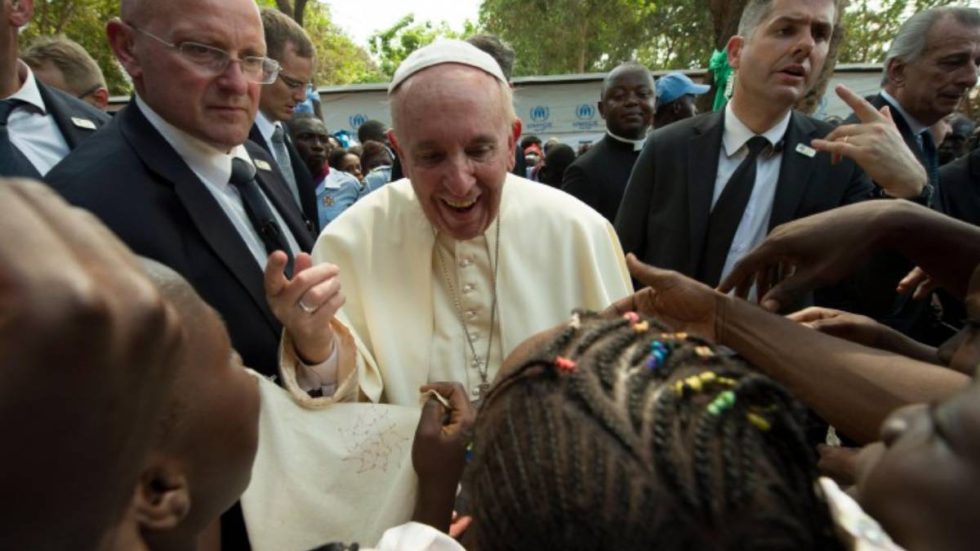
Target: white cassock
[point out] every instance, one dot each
(410, 291)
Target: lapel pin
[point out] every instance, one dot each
(83, 123)
(806, 150)
(262, 165)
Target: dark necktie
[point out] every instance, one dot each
(931, 156)
(258, 211)
(727, 214)
(13, 162)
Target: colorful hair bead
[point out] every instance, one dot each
(659, 352)
(576, 321)
(724, 401)
(565, 365)
(631, 317)
(641, 327)
(759, 421)
(469, 452)
(704, 352)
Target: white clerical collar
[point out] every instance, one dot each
(266, 126)
(737, 134)
(914, 125)
(207, 162)
(637, 144)
(28, 92)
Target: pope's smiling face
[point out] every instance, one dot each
(454, 132)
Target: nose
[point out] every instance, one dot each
(806, 44)
(233, 79)
(459, 178)
(899, 422)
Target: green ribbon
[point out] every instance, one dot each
(722, 71)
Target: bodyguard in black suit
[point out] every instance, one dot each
(38, 125)
(960, 189)
(702, 195)
(140, 187)
(627, 103)
(287, 43)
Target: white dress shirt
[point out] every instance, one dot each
(32, 129)
(754, 225)
(213, 167)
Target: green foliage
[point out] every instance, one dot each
(395, 43)
(84, 22)
(870, 24)
(568, 36)
(339, 60)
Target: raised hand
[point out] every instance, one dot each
(877, 146)
(305, 304)
(675, 299)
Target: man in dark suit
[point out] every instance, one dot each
(159, 173)
(39, 125)
(288, 44)
(627, 104)
(706, 190)
(930, 67)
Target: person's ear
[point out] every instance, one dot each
(601, 106)
(21, 12)
(512, 140)
(120, 37)
(162, 500)
(734, 49)
(100, 99)
(896, 72)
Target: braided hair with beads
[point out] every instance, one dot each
(619, 434)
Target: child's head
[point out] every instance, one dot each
(201, 458)
(618, 435)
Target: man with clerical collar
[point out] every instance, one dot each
(627, 104)
(448, 270)
(707, 189)
(39, 125)
(930, 67)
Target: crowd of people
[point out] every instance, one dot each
(223, 328)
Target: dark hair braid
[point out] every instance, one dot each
(622, 435)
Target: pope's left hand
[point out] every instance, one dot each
(305, 304)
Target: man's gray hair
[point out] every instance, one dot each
(911, 40)
(755, 12)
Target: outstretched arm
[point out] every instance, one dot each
(853, 387)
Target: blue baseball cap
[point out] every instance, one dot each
(675, 85)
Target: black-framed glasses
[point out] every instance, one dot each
(292, 83)
(258, 69)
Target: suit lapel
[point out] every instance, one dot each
(702, 158)
(61, 114)
(204, 211)
(795, 172)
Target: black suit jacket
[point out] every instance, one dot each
(131, 178)
(599, 176)
(663, 218)
(304, 180)
(903, 128)
(75, 119)
(959, 188)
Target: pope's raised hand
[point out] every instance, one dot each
(305, 304)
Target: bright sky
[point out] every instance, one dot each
(362, 18)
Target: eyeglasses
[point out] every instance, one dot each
(292, 83)
(261, 70)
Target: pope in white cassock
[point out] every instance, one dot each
(448, 270)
